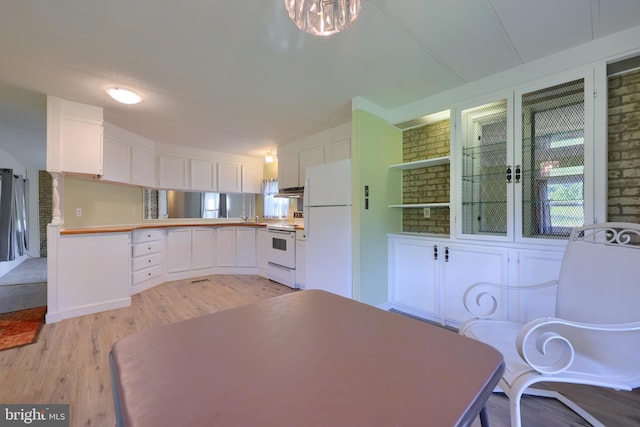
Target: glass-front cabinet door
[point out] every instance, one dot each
(552, 130)
(486, 146)
(521, 170)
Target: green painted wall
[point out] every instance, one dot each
(375, 145)
(101, 203)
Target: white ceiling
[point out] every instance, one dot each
(237, 76)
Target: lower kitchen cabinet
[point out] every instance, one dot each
(301, 259)
(226, 247)
(246, 255)
(429, 276)
(190, 248)
(93, 274)
(178, 250)
(263, 243)
(147, 259)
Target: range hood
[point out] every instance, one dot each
(291, 192)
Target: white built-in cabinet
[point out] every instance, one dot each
(128, 158)
(74, 137)
(251, 179)
(301, 259)
(204, 175)
(229, 177)
(263, 244)
(190, 248)
(236, 247)
(292, 165)
(93, 274)
(429, 276)
(147, 259)
(173, 172)
(246, 248)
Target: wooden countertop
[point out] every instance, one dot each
(131, 227)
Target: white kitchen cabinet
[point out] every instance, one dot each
(428, 277)
(74, 137)
(251, 179)
(226, 247)
(203, 246)
(535, 267)
(301, 259)
(337, 150)
(173, 172)
(93, 274)
(143, 167)
(204, 175)
(309, 157)
(117, 160)
(263, 244)
(288, 170)
(413, 276)
(464, 265)
(147, 259)
(246, 255)
(178, 250)
(229, 177)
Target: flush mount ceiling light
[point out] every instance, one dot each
(269, 157)
(124, 96)
(323, 17)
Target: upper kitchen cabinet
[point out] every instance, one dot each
(173, 172)
(251, 179)
(292, 167)
(74, 137)
(288, 170)
(128, 158)
(204, 175)
(337, 150)
(229, 177)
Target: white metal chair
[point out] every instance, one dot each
(594, 337)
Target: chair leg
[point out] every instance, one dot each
(514, 409)
(484, 418)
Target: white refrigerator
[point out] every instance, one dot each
(327, 222)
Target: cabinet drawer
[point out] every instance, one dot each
(142, 249)
(149, 235)
(146, 274)
(146, 261)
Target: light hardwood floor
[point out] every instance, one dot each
(69, 362)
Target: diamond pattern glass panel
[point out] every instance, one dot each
(484, 160)
(553, 121)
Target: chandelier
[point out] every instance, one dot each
(323, 17)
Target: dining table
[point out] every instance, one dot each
(309, 358)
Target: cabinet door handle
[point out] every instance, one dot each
(518, 173)
(446, 254)
(435, 252)
(508, 174)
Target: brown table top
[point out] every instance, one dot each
(309, 358)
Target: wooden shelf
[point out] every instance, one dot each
(425, 163)
(422, 205)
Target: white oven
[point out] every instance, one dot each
(282, 254)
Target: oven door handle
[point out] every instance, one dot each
(279, 232)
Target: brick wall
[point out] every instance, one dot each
(624, 148)
(426, 185)
(45, 207)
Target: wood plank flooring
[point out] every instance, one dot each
(69, 363)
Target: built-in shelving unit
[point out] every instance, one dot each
(425, 163)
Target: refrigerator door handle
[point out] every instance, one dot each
(305, 206)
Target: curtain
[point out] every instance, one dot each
(274, 207)
(14, 208)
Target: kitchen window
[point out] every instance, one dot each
(274, 207)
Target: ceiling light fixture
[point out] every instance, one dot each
(269, 157)
(124, 96)
(323, 17)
